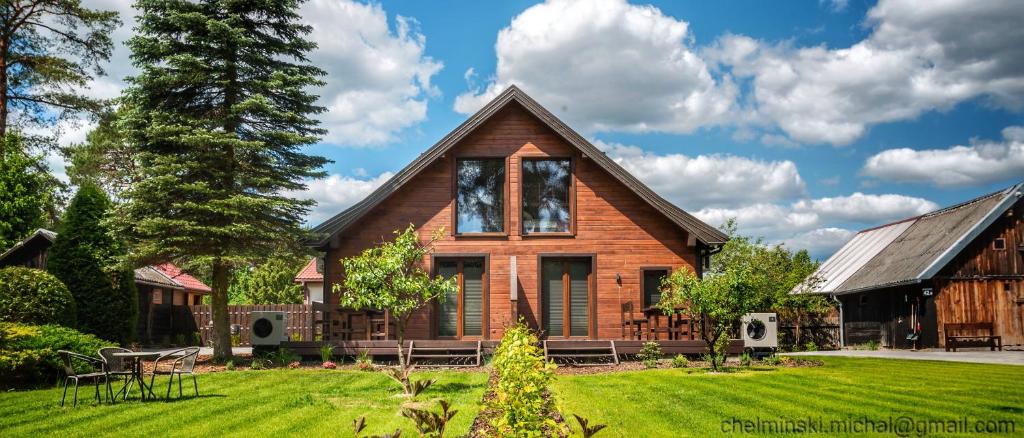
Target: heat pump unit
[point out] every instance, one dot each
(268, 328)
(760, 330)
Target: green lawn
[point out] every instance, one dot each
(680, 403)
(245, 403)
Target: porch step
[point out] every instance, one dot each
(581, 353)
(449, 353)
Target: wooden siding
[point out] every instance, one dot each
(980, 259)
(624, 232)
(999, 301)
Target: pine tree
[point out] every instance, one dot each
(26, 193)
(49, 49)
(84, 258)
(219, 115)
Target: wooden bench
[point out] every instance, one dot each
(956, 337)
(443, 353)
(581, 353)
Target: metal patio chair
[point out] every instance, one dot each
(176, 363)
(69, 359)
(116, 367)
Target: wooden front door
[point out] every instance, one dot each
(566, 289)
(462, 313)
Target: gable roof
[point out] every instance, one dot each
(154, 277)
(914, 249)
(43, 235)
(175, 273)
(309, 272)
(701, 231)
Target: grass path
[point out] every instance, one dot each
(693, 403)
(245, 403)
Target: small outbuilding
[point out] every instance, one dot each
(931, 280)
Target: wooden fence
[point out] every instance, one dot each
(305, 321)
(823, 331)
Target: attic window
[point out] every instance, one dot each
(864, 299)
(999, 244)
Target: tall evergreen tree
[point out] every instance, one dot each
(220, 115)
(26, 193)
(85, 258)
(48, 50)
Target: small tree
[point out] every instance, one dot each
(719, 299)
(26, 193)
(391, 277)
(272, 282)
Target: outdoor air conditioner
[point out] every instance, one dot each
(760, 330)
(268, 328)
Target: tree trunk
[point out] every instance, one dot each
(4, 45)
(796, 335)
(219, 308)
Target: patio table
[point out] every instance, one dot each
(136, 358)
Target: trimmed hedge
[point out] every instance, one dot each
(33, 296)
(28, 353)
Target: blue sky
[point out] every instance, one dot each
(806, 120)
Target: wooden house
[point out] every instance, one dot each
(925, 281)
(311, 279)
(538, 223)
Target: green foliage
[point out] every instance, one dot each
(431, 424)
(364, 362)
(649, 354)
(326, 351)
(773, 360)
(272, 282)
(52, 49)
(745, 359)
(84, 258)
(390, 276)
(28, 353)
(872, 345)
(26, 192)
(720, 298)
(680, 361)
(32, 296)
(282, 357)
(220, 115)
(229, 366)
(522, 381)
(260, 363)
(106, 158)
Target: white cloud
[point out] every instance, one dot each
(709, 180)
(607, 65)
(835, 5)
(866, 209)
(336, 193)
(820, 243)
(378, 78)
(981, 162)
(916, 59)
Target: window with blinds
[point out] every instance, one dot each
(462, 313)
(566, 290)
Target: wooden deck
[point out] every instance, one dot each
(452, 352)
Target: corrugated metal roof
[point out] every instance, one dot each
(857, 253)
(911, 250)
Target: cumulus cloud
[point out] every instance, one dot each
(812, 223)
(709, 180)
(336, 193)
(379, 79)
(980, 162)
(607, 65)
(916, 59)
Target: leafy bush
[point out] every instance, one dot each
(810, 346)
(429, 423)
(522, 380)
(229, 366)
(364, 362)
(259, 363)
(872, 345)
(32, 296)
(649, 354)
(680, 361)
(773, 360)
(282, 357)
(28, 353)
(746, 360)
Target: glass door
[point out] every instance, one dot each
(566, 290)
(462, 312)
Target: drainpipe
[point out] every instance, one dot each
(842, 335)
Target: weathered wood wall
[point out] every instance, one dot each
(620, 229)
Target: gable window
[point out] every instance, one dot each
(547, 195)
(480, 195)
(999, 244)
